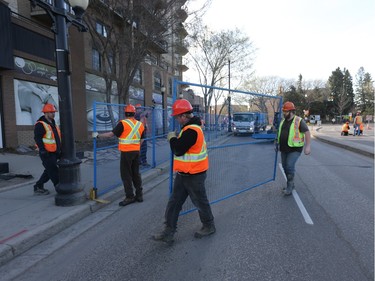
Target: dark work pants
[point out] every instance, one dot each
(51, 170)
(129, 169)
(184, 186)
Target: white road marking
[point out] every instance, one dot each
(300, 205)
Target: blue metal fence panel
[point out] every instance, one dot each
(239, 163)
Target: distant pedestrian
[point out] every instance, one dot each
(130, 133)
(357, 123)
(345, 129)
(47, 137)
(191, 164)
(293, 136)
(141, 115)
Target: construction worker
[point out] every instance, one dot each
(130, 133)
(361, 127)
(191, 164)
(293, 136)
(345, 129)
(357, 123)
(142, 116)
(47, 137)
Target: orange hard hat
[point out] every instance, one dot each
(138, 105)
(48, 107)
(181, 106)
(130, 108)
(288, 106)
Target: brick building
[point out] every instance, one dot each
(28, 73)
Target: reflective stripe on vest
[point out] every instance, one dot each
(295, 138)
(130, 139)
(49, 138)
(195, 160)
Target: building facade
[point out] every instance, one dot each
(28, 74)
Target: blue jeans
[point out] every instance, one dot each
(288, 161)
(356, 130)
(184, 186)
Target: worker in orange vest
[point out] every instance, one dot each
(130, 133)
(361, 127)
(47, 137)
(357, 123)
(345, 129)
(190, 163)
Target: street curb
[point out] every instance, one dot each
(24, 242)
(3, 189)
(347, 147)
(27, 240)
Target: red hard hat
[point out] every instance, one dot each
(181, 106)
(48, 107)
(138, 105)
(130, 108)
(288, 106)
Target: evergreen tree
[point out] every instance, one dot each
(364, 96)
(369, 94)
(294, 96)
(359, 93)
(341, 88)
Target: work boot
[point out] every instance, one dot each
(139, 198)
(40, 190)
(205, 231)
(289, 185)
(127, 201)
(166, 235)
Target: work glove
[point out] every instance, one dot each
(276, 147)
(171, 135)
(95, 135)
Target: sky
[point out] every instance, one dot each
(308, 37)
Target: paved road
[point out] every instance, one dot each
(261, 234)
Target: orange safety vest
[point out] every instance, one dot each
(49, 138)
(358, 120)
(195, 160)
(345, 127)
(130, 139)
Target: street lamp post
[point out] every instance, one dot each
(229, 101)
(69, 190)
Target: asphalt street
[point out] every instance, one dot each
(261, 235)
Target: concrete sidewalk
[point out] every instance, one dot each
(27, 220)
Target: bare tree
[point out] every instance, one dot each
(343, 101)
(125, 31)
(268, 85)
(210, 52)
